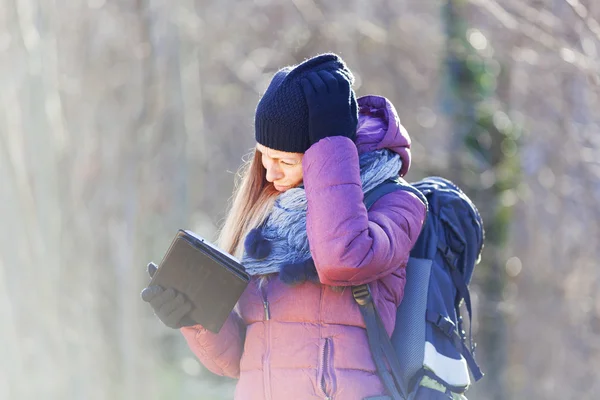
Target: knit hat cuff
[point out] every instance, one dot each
(269, 134)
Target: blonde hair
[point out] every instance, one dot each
(252, 200)
(251, 203)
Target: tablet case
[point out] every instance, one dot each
(210, 278)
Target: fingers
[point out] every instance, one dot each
(324, 82)
(171, 305)
(151, 292)
(160, 299)
(151, 269)
(307, 88)
(330, 81)
(342, 81)
(174, 318)
(173, 310)
(317, 82)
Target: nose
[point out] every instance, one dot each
(274, 172)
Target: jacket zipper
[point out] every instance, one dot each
(327, 374)
(267, 313)
(266, 361)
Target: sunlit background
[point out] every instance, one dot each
(122, 121)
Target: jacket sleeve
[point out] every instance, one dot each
(350, 246)
(219, 353)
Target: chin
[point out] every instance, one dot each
(282, 188)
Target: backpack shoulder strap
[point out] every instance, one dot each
(379, 342)
(389, 186)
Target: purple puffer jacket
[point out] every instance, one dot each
(309, 341)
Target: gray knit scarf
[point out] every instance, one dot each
(285, 227)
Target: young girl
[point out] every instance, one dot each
(300, 227)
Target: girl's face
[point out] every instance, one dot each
(284, 170)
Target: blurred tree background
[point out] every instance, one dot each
(122, 121)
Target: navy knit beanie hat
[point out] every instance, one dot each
(281, 119)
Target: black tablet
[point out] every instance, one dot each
(210, 278)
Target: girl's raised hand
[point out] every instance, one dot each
(332, 109)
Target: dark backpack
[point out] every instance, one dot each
(429, 354)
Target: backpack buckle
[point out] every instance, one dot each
(362, 294)
(448, 255)
(446, 325)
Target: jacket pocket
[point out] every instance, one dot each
(326, 375)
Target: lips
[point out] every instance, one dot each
(281, 188)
